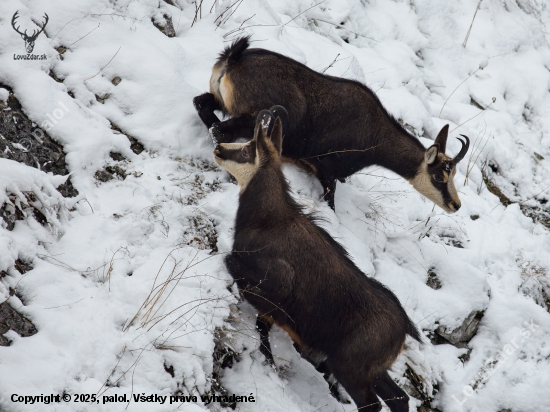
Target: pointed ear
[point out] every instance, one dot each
(277, 136)
(431, 154)
(441, 138)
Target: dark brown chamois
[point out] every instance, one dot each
(297, 276)
(335, 128)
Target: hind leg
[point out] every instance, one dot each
(357, 381)
(264, 326)
(395, 397)
(329, 188)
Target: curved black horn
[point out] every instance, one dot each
(463, 151)
(278, 110)
(261, 116)
(281, 112)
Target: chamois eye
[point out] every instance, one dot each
(245, 152)
(438, 178)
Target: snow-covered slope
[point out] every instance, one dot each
(125, 283)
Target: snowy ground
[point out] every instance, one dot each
(140, 248)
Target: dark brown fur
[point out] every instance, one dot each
(335, 126)
(297, 276)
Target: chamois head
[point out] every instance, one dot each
(243, 160)
(434, 178)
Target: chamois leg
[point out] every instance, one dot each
(230, 130)
(264, 326)
(356, 380)
(333, 384)
(319, 363)
(329, 187)
(395, 397)
(206, 104)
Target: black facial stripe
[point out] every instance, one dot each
(443, 189)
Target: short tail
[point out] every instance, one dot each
(233, 52)
(412, 331)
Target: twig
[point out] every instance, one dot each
(344, 27)
(104, 66)
(494, 100)
(470, 29)
(340, 151)
(239, 28)
(66, 48)
(526, 200)
(475, 71)
(470, 165)
(330, 65)
(316, 4)
(197, 10)
(60, 30)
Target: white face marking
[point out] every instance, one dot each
(422, 182)
(243, 172)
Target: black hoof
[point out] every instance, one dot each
(203, 101)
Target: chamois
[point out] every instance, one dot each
(336, 126)
(298, 277)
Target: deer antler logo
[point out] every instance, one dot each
(29, 40)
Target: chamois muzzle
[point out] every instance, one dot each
(463, 151)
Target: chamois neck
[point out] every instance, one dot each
(266, 199)
(401, 153)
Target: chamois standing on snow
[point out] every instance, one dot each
(298, 277)
(335, 128)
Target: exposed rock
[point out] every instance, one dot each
(117, 156)
(116, 81)
(102, 99)
(18, 142)
(433, 281)
(135, 145)
(465, 332)
(417, 389)
(168, 27)
(224, 356)
(19, 209)
(110, 172)
(537, 214)
(10, 319)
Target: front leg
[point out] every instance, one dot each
(230, 130)
(206, 104)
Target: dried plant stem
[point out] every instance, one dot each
(331, 64)
(100, 70)
(441, 111)
(298, 15)
(494, 100)
(476, 149)
(470, 29)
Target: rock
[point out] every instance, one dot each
(433, 281)
(168, 28)
(18, 143)
(463, 333)
(10, 319)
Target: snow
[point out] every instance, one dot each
(121, 243)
